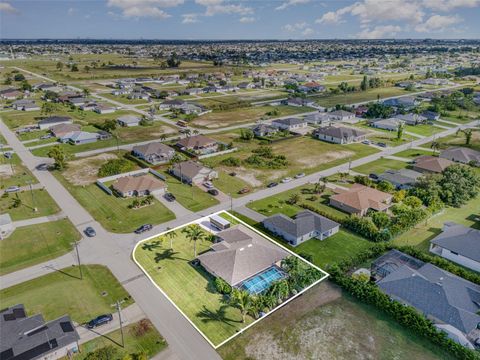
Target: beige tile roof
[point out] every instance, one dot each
(138, 183)
(362, 197)
(432, 163)
(196, 141)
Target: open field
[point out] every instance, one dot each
(149, 343)
(457, 140)
(423, 130)
(326, 324)
(379, 166)
(230, 185)
(413, 153)
(113, 212)
(42, 201)
(34, 244)
(251, 96)
(13, 172)
(219, 119)
(360, 96)
(56, 294)
(304, 154)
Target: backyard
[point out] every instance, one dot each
(34, 244)
(381, 165)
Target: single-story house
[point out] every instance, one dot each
(458, 243)
(289, 124)
(10, 94)
(171, 104)
(449, 301)
(358, 199)
(431, 115)
(61, 130)
(25, 105)
(339, 135)
(138, 95)
(79, 137)
(193, 91)
(128, 120)
(31, 337)
(299, 102)
(401, 179)
(319, 119)
(264, 130)
(462, 155)
(304, 226)
(77, 101)
(189, 108)
(246, 85)
(104, 109)
(199, 144)
(411, 119)
(240, 254)
(51, 121)
(390, 124)
(88, 106)
(6, 225)
(193, 172)
(406, 102)
(341, 115)
(155, 153)
(431, 164)
(142, 185)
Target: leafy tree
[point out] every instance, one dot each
(364, 83)
(380, 219)
(378, 110)
(458, 183)
(293, 199)
(364, 180)
(399, 195)
(386, 186)
(26, 86)
(222, 286)
(427, 189)
(59, 66)
(19, 77)
(246, 134)
(400, 130)
(86, 92)
(194, 233)
(413, 201)
(468, 135)
(115, 166)
(48, 108)
(173, 61)
(435, 146)
(74, 68)
(58, 154)
(108, 125)
(241, 299)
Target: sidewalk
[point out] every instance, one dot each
(39, 220)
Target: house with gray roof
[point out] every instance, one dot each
(51, 121)
(264, 130)
(449, 301)
(390, 124)
(319, 119)
(458, 243)
(411, 118)
(128, 120)
(462, 155)
(155, 153)
(30, 337)
(339, 134)
(401, 179)
(289, 124)
(193, 172)
(304, 226)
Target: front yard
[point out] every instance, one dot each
(27, 201)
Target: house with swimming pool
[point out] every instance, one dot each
(244, 259)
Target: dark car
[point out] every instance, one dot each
(170, 197)
(244, 190)
(99, 321)
(143, 228)
(8, 154)
(90, 232)
(272, 184)
(381, 144)
(42, 167)
(213, 192)
(373, 176)
(233, 173)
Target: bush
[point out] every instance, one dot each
(141, 328)
(222, 286)
(231, 161)
(115, 167)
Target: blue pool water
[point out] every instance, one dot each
(261, 281)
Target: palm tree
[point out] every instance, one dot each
(196, 132)
(319, 187)
(194, 233)
(187, 132)
(86, 92)
(172, 235)
(468, 135)
(242, 300)
(435, 146)
(163, 137)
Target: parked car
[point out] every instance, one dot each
(12, 189)
(272, 184)
(244, 190)
(286, 180)
(8, 154)
(381, 144)
(298, 176)
(208, 184)
(99, 321)
(170, 197)
(42, 167)
(366, 142)
(233, 173)
(213, 192)
(373, 176)
(46, 136)
(143, 228)
(90, 232)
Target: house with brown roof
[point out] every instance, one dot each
(155, 153)
(193, 172)
(61, 130)
(142, 185)
(198, 144)
(240, 254)
(431, 164)
(359, 199)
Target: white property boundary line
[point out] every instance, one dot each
(256, 231)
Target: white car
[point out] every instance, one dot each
(12, 189)
(286, 180)
(298, 176)
(208, 184)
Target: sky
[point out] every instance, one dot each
(239, 19)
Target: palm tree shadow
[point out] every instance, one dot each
(167, 254)
(207, 315)
(150, 246)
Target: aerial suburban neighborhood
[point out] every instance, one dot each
(201, 180)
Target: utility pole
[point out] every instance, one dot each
(231, 201)
(29, 182)
(120, 319)
(78, 259)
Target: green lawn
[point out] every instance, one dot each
(58, 293)
(413, 153)
(150, 342)
(457, 140)
(190, 288)
(34, 244)
(380, 165)
(42, 201)
(190, 197)
(421, 235)
(112, 211)
(423, 130)
(359, 96)
(21, 175)
(229, 185)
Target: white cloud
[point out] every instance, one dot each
(190, 18)
(307, 32)
(438, 23)
(331, 17)
(447, 5)
(71, 11)
(247, 19)
(144, 8)
(379, 32)
(289, 3)
(295, 27)
(215, 7)
(6, 7)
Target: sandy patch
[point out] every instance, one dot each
(315, 160)
(84, 171)
(6, 171)
(251, 176)
(248, 176)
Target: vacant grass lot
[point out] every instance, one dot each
(360, 96)
(423, 130)
(190, 288)
(113, 212)
(21, 175)
(325, 324)
(413, 153)
(56, 294)
(150, 343)
(42, 201)
(229, 185)
(34, 244)
(457, 140)
(379, 166)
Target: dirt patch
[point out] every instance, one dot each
(6, 171)
(248, 176)
(315, 160)
(84, 171)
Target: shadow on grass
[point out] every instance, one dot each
(150, 246)
(64, 272)
(206, 315)
(476, 220)
(168, 254)
(105, 336)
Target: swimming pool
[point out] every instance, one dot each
(262, 281)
